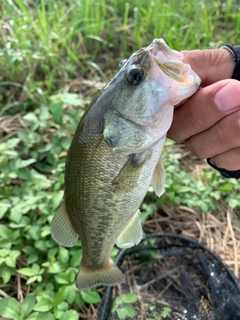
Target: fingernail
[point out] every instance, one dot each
(228, 97)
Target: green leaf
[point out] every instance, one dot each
(71, 293)
(45, 231)
(129, 298)
(91, 296)
(36, 268)
(5, 273)
(11, 259)
(27, 306)
(23, 163)
(16, 214)
(55, 267)
(48, 294)
(70, 314)
(31, 117)
(79, 299)
(4, 206)
(62, 306)
(57, 110)
(166, 312)
(32, 258)
(69, 98)
(41, 316)
(56, 200)
(60, 309)
(57, 313)
(61, 296)
(29, 250)
(71, 274)
(43, 305)
(4, 252)
(62, 278)
(9, 308)
(32, 279)
(233, 203)
(63, 255)
(27, 272)
(76, 258)
(5, 232)
(41, 245)
(126, 311)
(11, 143)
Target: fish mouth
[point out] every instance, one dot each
(161, 51)
(171, 64)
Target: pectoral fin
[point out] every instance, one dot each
(132, 234)
(61, 228)
(158, 178)
(128, 177)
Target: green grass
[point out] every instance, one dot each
(43, 43)
(53, 56)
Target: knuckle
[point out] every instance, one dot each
(228, 160)
(228, 131)
(194, 148)
(216, 57)
(172, 134)
(195, 119)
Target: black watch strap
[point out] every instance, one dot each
(235, 50)
(225, 173)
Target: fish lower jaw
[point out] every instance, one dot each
(185, 92)
(194, 78)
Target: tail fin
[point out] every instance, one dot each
(109, 276)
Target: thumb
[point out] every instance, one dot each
(211, 65)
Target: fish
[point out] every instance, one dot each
(115, 155)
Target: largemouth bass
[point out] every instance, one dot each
(115, 155)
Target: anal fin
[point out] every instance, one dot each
(132, 234)
(61, 228)
(158, 178)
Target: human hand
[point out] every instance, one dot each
(209, 121)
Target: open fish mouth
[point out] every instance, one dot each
(170, 63)
(160, 50)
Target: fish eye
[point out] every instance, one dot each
(134, 76)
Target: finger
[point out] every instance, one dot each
(205, 108)
(229, 160)
(222, 137)
(211, 65)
